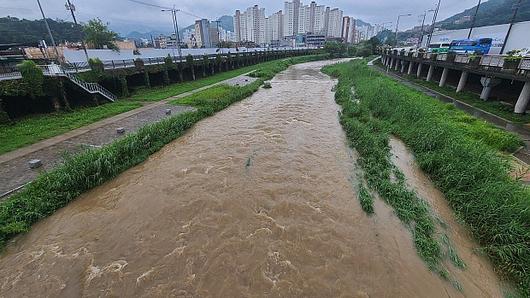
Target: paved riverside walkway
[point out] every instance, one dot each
(14, 168)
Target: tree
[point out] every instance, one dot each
(335, 49)
(32, 77)
(99, 36)
(374, 43)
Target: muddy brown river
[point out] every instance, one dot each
(256, 201)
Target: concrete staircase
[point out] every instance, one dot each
(54, 70)
(92, 88)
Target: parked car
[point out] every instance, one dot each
(438, 48)
(480, 46)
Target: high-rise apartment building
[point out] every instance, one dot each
(349, 32)
(335, 23)
(202, 33)
(250, 25)
(274, 27)
(295, 19)
(291, 18)
(237, 26)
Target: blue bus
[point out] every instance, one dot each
(479, 46)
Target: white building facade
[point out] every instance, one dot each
(249, 26)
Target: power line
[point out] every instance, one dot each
(165, 7)
(149, 4)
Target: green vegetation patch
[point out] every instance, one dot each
(204, 97)
(30, 130)
(466, 167)
(491, 106)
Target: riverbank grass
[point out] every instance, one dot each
(459, 153)
(494, 107)
(30, 130)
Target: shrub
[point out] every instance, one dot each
(32, 77)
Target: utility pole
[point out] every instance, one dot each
(71, 8)
(397, 24)
(175, 28)
(49, 31)
(473, 21)
(434, 22)
(423, 26)
(514, 16)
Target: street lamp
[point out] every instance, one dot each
(397, 24)
(176, 28)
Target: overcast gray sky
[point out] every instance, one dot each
(125, 16)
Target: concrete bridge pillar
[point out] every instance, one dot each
(524, 98)
(487, 86)
(403, 64)
(398, 62)
(430, 73)
(411, 65)
(463, 81)
(443, 79)
(392, 62)
(418, 72)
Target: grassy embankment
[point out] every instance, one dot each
(160, 93)
(459, 153)
(53, 190)
(492, 106)
(32, 129)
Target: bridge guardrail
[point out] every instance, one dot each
(77, 67)
(492, 61)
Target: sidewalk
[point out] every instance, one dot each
(15, 171)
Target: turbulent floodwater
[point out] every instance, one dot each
(258, 200)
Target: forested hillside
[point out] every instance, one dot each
(14, 30)
(492, 12)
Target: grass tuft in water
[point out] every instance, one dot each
(366, 199)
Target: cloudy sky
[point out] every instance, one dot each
(125, 16)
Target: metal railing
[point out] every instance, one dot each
(91, 87)
(492, 61)
(462, 59)
(78, 67)
(10, 76)
(525, 64)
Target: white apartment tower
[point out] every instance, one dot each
(250, 25)
(296, 18)
(335, 23)
(274, 27)
(291, 17)
(237, 25)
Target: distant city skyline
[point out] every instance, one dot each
(125, 16)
